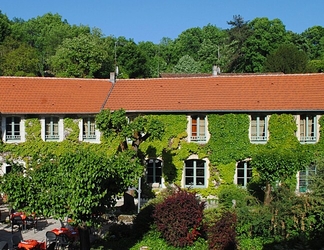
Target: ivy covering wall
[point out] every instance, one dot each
(229, 143)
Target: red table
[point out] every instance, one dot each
(17, 214)
(28, 244)
(61, 230)
(72, 234)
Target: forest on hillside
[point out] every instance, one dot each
(49, 46)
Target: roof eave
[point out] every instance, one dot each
(226, 111)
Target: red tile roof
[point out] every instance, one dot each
(242, 93)
(39, 95)
(270, 92)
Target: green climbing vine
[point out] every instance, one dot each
(229, 143)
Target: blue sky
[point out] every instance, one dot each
(151, 20)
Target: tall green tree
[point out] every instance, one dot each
(287, 59)
(19, 59)
(132, 61)
(80, 57)
(315, 66)
(166, 51)
(22, 61)
(45, 33)
(187, 64)
(213, 49)
(155, 63)
(314, 38)
(80, 184)
(298, 40)
(237, 35)
(188, 43)
(5, 28)
(266, 36)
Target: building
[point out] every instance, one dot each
(250, 101)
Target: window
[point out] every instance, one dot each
(6, 168)
(13, 129)
(153, 171)
(52, 128)
(89, 128)
(259, 128)
(243, 173)
(305, 178)
(198, 129)
(308, 128)
(195, 173)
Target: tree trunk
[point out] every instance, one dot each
(267, 194)
(84, 235)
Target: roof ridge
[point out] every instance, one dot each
(54, 78)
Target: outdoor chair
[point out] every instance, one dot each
(17, 221)
(15, 240)
(62, 241)
(31, 222)
(51, 240)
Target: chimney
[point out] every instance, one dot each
(216, 70)
(112, 77)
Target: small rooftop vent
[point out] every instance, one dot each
(112, 77)
(216, 70)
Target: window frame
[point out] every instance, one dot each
(309, 172)
(44, 136)
(155, 165)
(247, 173)
(308, 133)
(51, 134)
(194, 174)
(15, 127)
(89, 128)
(260, 136)
(199, 128)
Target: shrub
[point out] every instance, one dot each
(179, 218)
(222, 234)
(251, 244)
(228, 193)
(153, 240)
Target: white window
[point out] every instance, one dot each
(308, 128)
(13, 128)
(305, 178)
(198, 129)
(52, 128)
(195, 173)
(154, 171)
(243, 173)
(259, 129)
(89, 128)
(88, 131)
